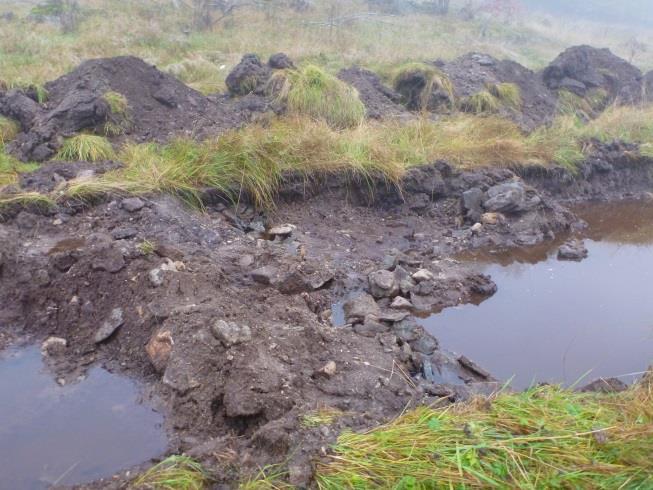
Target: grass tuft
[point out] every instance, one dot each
(588, 107)
(86, 147)
(312, 92)
(117, 103)
(8, 130)
(320, 417)
(545, 437)
(508, 93)
(25, 199)
(417, 82)
(119, 120)
(10, 168)
(482, 102)
(174, 473)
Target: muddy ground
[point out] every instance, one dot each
(225, 315)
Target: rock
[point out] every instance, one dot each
(328, 370)
(110, 260)
(477, 228)
(405, 282)
(282, 230)
(423, 275)
(53, 346)
(132, 204)
(426, 345)
(371, 327)
(511, 198)
(179, 376)
(401, 303)
(491, 218)
(109, 326)
(393, 316)
(159, 348)
(407, 330)
(472, 200)
(246, 261)
(230, 333)
(473, 367)
(383, 284)
(123, 233)
(605, 385)
(573, 250)
(265, 275)
(156, 277)
(358, 309)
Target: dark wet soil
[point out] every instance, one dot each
(558, 322)
(55, 433)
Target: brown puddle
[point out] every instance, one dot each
(558, 322)
(53, 435)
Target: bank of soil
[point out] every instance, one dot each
(225, 315)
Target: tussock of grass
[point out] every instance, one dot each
(8, 130)
(174, 473)
(86, 147)
(119, 120)
(117, 103)
(256, 158)
(544, 438)
(416, 82)
(26, 199)
(310, 91)
(508, 93)
(587, 107)
(482, 102)
(10, 168)
(199, 73)
(269, 478)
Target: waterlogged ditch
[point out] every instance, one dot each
(554, 321)
(72, 434)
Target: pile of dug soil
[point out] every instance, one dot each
(583, 68)
(379, 100)
(159, 106)
(474, 72)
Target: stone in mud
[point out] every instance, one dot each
(265, 275)
(472, 201)
(178, 375)
(383, 284)
(283, 231)
(511, 198)
(573, 250)
(124, 232)
(405, 282)
(109, 260)
(393, 316)
(426, 345)
(407, 330)
(231, 333)
(132, 204)
(155, 277)
(328, 370)
(401, 303)
(159, 348)
(492, 218)
(53, 346)
(605, 385)
(371, 327)
(423, 275)
(109, 326)
(358, 309)
(473, 367)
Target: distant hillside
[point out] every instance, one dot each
(621, 11)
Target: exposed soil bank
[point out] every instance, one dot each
(225, 314)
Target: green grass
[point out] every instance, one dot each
(174, 473)
(320, 417)
(272, 477)
(86, 147)
(10, 168)
(482, 102)
(416, 83)
(508, 93)
(119, 119)
(117, 103)
(543, 438)
(587, 107)
(312, 92)
(26, 199)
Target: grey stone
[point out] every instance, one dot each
(393, 316)
(605, 385)
(511, 197)
(401, 303)
(231, 333)
(472, 200)
(109, 326)
(156, 277)
(360, 307)
(371, 328)
(53, 346)
(423, 275)
(282, 230)
(132, 204)
(426, 344)
(110, 260)
(383, 284)
(573, 250)
(407, 330)
(265, 275)
(123, 233)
